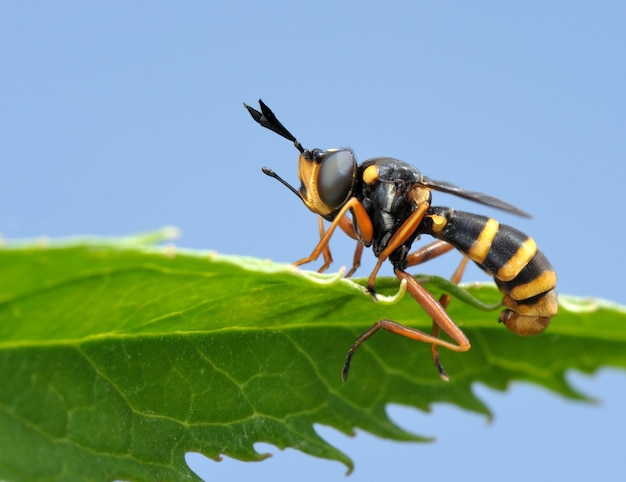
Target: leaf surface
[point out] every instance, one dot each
(118, 358)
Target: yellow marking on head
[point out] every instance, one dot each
(480, 249)
(542, 283)
(370, 175)
(518, 261)
(308, 170)
(439, 222)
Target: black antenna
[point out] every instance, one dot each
(268, 172)
(267, 119)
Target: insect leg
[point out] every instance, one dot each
(432, 307)
(356, 260)
(347, 226)
(328, 257)
(444, 301)
(403, 233)
(426, 253)
(366, 230)
(345, 223)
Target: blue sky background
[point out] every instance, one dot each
(126, 116)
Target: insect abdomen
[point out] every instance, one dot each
(521, 272)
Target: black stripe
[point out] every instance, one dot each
(506, 243)
(462, 229)
(535, 267)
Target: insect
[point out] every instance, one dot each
(385, 204)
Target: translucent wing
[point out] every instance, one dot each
(478, 197)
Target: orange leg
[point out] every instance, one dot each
(426, 253)
(444, 301)
(403, 233)
(362, 219)
(356, 260)
(348, 227)
(345, 223)
(432, 307)
(328, 257)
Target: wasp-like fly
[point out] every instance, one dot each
(385, 204)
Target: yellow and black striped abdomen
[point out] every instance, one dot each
(522, 273)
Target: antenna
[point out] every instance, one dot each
(267, 119)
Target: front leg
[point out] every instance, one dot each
(347, 227)
(361, 218)
(398, 238)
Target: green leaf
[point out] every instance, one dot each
(117, 358)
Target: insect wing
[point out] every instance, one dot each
(478, 197)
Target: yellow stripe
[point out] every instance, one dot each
(439, 222)
(479, 250)
(518, 261)
(544, 282)
(547, 305)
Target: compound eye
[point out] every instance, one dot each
(336, 178)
